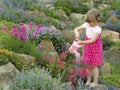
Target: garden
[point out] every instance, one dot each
(35, 36)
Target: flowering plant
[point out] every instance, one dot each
(37, 33)
(5, 56)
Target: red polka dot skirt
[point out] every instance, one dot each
(93, 53)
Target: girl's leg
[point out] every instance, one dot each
(89, 77)
(95, 75)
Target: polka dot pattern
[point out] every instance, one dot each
(93, 53)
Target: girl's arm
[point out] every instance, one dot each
(91, 40)
(76, 31)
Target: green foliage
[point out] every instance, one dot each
(16, 45)
(114, 77)
(107, 43)
(15, 15)
(105, 13)
(68, 6)
(67, 10)
(117, 45)
(80, 9)
(37, 79)
(115, 5)
(6, 23)
(64, 3)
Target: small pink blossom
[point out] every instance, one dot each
(61, 63)
(5, 29)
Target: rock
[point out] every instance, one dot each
(42, 14)
(77, 18)
(62, 14)
(112, 56)
(105, 69)
(28, 59)
(7, 73)
(100, 87)
(48, 4)
(69, 34)
(111, 35)
(47, 46)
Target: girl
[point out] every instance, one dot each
(93, 50)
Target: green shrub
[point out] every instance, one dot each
(107, 43)
(51, 14)
(37, 79)
(67, 10)
(80, 9)
(64, 3)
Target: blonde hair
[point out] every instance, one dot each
(92, 15)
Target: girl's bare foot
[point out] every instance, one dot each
(93, 84)
(87, 83)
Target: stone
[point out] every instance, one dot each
(42, 14)
(47, 46)
(69, 34)
(111, 35)
(62, 15)
(77, 18)
(100, 87)
(112, 56)
(7, 73)
(105, 69)
(28, 59)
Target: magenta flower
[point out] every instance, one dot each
(22, 28)
(30, 25)
(15, 31)
(22, 37)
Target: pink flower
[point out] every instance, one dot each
(71, 77)
(63, 55)
(70, 70)
(61, 63)
(5, 29)
(83, 72)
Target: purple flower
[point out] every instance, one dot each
(39, 47)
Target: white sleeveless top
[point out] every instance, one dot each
(90, 31)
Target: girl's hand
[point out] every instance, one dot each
(80, 42)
